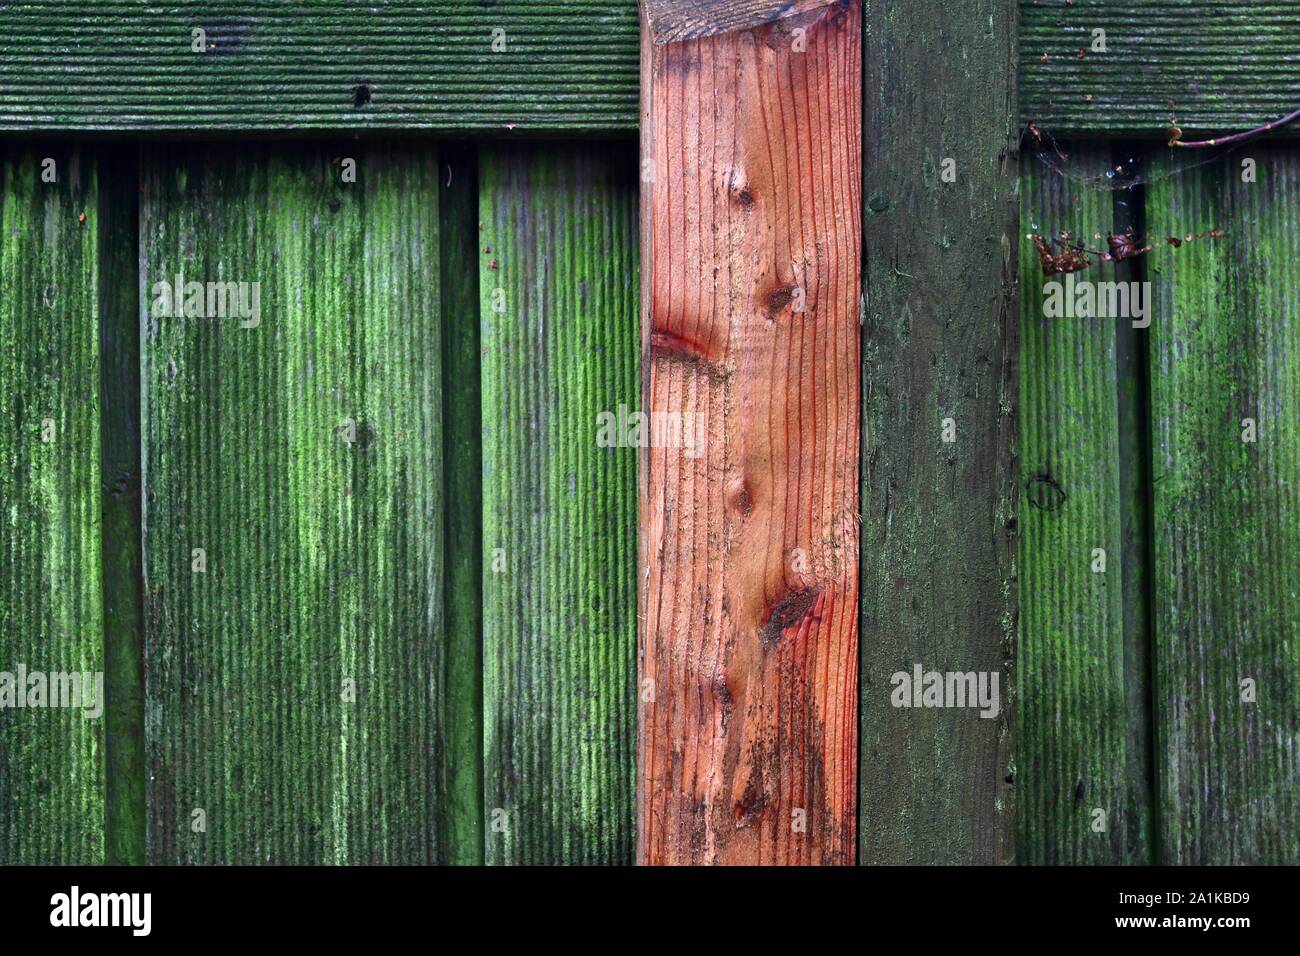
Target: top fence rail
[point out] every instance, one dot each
(470, 67)
(460, 66)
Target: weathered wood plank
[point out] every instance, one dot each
(1213, 65)
(672, 20)
(1133, 424)
(463, 464)
(51, 616)
(938, 518)
(318, 65)
(123, 571)
(751, 252)
(303, 453)
(1080, 734)
(1225, 348)
(558, 286)
(313, 65)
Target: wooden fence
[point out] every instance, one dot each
(362, 582)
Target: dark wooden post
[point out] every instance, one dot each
(939, 479)
(751, 233)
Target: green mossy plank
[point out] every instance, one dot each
(1226, 347)
(938, 520)
(319, 65)
(324, 555)
(1213, 65)
(462, 461)
(1133, 410)
(558, 258)
(1080, 734)
(119, 298)
(328, 65)
(51, 614)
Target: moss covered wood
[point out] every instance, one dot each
(555, 65)
(938, 518)
(123, 572)
(462, 463)
(52, 800)
(1115, 67)
(1225, 388)
(557, 281)
(1082, 789)
(293, 495)
(751, 255)
(318, 65)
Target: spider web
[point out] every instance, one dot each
(1130, 169)
(1125, 168)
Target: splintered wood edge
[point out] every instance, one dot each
(671, 21)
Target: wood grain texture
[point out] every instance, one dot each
(123, 571)
(322, 65)
(557, 280)
(673, 20)
(1081, 735)
(1226, 347)
(938, 519)
(749, 541)
(324, 554)
(1213, 65)
(318, 65)
(462, 463)
(51, 617)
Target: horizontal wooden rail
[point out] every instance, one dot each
(1209, 65)
(568, 65)
(311, 65)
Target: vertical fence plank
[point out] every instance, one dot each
(294, 686)
(119, 224)
(1133, 408)
(51, 617)
(749, 513)
(462, 461)
(1077, 727)
(938, 517)
(1225, 348)
(558, 289)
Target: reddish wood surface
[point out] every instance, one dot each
(673, 20)
(749, 568)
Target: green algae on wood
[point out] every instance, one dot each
(558, 287)
(1226, 348)
(294, 688)
(462, 461)
(1210, 65)
(939, 339)
(125, 771)
(1079, 732)
(319, 65)
(51, 616)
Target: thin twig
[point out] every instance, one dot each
(1175, 133)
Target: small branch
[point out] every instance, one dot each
(1175, 133)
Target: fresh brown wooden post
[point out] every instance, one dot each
(751, 236)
